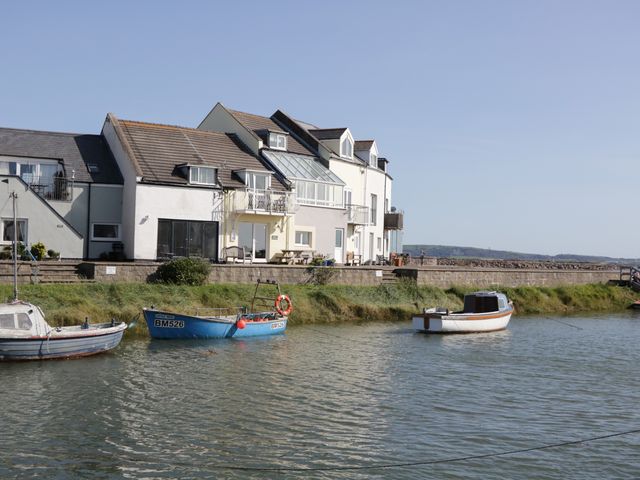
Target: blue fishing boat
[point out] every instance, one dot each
(223, 323)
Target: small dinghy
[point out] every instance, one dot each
(224, 322)
(483, 312)
(25, 335)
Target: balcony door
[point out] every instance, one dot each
(253, 237)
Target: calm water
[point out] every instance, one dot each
(328, 397)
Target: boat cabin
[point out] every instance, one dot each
(485, 302)
(21, 320)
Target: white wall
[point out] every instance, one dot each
(43, 225)
(129, 190)
(363, 181)
(176, 203)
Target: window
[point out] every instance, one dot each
(347, 197)
(277, 141)
(7, 231)
(259, 181)
(6, 320)
(379, 239)
(374, 208)
(314, 193)
(303, 238)
(24, 322)
(106, 232)
(202, 175)
(346, 148)
(374, 160)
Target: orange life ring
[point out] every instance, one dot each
(283, 311)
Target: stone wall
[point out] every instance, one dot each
(445, 277)
(240, 273)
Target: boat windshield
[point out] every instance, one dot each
(480, 304)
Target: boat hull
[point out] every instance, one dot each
(61, 346)
(167, 325)
(461, 323)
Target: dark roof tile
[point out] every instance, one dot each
(77, 152)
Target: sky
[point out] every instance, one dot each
(508, 124)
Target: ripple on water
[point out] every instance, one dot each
(334, 396)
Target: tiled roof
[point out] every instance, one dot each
(256, 123)
(158, 149)
(76, 151)
(360, 145)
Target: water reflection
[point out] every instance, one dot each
(333, 396)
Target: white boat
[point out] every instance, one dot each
(25, 334)
(483, 312)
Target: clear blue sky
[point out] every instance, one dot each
(508, 124)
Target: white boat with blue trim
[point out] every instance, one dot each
(25, 335)
(483, 312)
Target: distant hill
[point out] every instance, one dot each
(447, 251)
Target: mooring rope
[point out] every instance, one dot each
(424, 462)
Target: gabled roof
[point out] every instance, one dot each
(75, 151)
(257, 123)
(160, 149)
(327, 133)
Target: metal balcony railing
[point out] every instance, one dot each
(394, 220)
(50, 188)
(358, 214)
(265, 201)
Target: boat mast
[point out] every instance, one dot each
(14, 196)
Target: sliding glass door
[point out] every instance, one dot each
(185, 238)
(253, 237)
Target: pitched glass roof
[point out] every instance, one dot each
(301, 167)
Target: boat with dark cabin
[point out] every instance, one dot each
(483, 312)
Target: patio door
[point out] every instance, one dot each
(339, 245)
(253, 237)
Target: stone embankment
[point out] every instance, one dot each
(442, 273)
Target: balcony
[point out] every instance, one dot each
(394, 220)
(50, 188)
(358, 214)
(265, 202)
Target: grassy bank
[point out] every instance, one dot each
(70, 304)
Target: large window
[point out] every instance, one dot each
(314, 193)
(184, 238)
(303, 238)
(105, 232)
(202, 175)
(374, 208)
(7, 231)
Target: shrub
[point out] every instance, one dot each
(184, 271)
(53, 254)
(38, 250)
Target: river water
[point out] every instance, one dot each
(348, 401)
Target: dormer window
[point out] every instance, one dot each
(277, 141)
(346, 148)
(202, 175)
(374, 160)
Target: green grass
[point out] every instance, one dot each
(70, 304)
